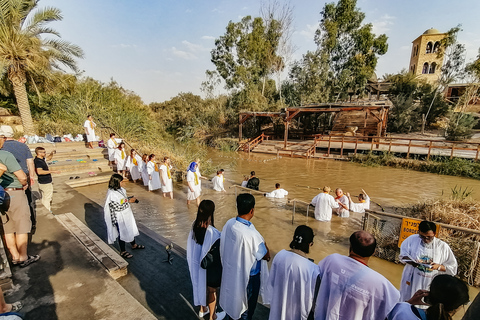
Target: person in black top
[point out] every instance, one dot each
(253, 182)
(44, 176)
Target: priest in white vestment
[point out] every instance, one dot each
(89, 127)
(134, 165)
(111, 147)
(218, 181)
(343, 209)
(242, 250)
(425, 256)
(349, 289)
(292, 279)
(166, 178)
(153, 174)
(278, 193)
(324, 203)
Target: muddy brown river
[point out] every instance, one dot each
(273, 218)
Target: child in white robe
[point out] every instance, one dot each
(193, 181)
(133, 164)
(153, 174)
(166, 178)
(204, 264)
(121, 159)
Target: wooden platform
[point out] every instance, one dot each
(114, 264)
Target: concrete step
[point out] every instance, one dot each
(114, 264)
(83, 182)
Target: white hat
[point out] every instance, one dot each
(6, 131)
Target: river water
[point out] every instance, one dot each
(386, 186)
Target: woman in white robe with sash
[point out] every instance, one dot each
(203, 248)
(89, 127)
(119, 216)
(121, 159)
(166, 177)
(153, 174)
(133, 164)
(292, 279)
(193, 181)
(111, 148)
(144, 171)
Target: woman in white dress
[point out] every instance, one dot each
(193, 181)
(121, 159)
(166, 177)
(119, 216)
(153, 174)
(200, 177)
(204, 264)
(144, 170)
(89, 127)
(134, 163)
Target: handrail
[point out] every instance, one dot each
(248, 146)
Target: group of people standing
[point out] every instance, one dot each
(325, 204)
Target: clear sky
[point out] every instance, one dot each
(159, 48)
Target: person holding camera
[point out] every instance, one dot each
(119, 216)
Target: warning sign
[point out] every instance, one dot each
(409, 227)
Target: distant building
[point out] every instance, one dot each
(424, 61)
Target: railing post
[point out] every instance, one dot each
(429, 150)
(390, 146)
(356, 145)
(371, 146)
(408, 151)
(341, 148)
(478, 151)
(451, 154)
(308, 207)
(293, 214)
(329, 141)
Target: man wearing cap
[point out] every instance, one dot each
(15, 212)
(23, 155)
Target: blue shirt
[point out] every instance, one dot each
(262, 250)
(20, 151)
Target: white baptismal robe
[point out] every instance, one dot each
(277, 193)
(360, 207)
(324, 203)
(111, 147)
(154, 183)
(350, 290)
(126, 221)
(90, 131)
(196, 187)
(342, 212)
(199, 180)
(144, 172)
(218, 183)
(414, 279)
(292, 283)
(240, 248)
(121, 159)
(168, 186)
(195, 255)
(134, 169)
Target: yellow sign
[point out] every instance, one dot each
(409, 227)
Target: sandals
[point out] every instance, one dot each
(126, 255)
(138, 247)
(29, 261)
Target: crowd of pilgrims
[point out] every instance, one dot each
(232, 263)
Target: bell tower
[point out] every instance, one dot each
(424, 61)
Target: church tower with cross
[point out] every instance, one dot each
(424, 61)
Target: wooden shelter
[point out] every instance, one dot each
(365, 117)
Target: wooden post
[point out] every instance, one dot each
(315, 150)
(478, 151)
(371, 146)
(429, 149)
(408, 151)
(356, 144)
(329, 141)
(285, 137)
(453, 147)
(390, 146)
(341, 148)
(240, 128)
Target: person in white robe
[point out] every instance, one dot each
(153, 174)
(121, 159)
(424, 256)
(343, 209)
(193, 183)
(166, 177)
(133, 164)
(349, 289)
(292, 279)
(89, 127)
(111, 148)
(324, 203)
(119, 217)
(446, 293)
(278, 193)
(218, 181)
(244, 256)
(364, 202)
(204, 240)
(144, 171)
(199, 175)
(245, 181)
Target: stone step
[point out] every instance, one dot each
(114, 264)
(83, 182)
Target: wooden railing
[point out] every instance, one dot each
(311, 151)
(375, 142)
(248, 146)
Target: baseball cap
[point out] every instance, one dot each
(6, 131)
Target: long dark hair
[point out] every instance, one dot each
(114, 182)
(205, 211)
(447, 294)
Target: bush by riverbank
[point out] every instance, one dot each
(452, 167)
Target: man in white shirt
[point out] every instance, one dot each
(242, 250)
(349, 289)
(324, 203)
(218, 181)
(364, 202)
(277, 193)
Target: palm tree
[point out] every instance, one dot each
(26, 53)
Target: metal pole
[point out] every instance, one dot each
(308, 206)
(293, 215)
(235, 191)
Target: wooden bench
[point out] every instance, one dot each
(115, 265)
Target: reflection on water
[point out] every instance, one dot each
(273, 218)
